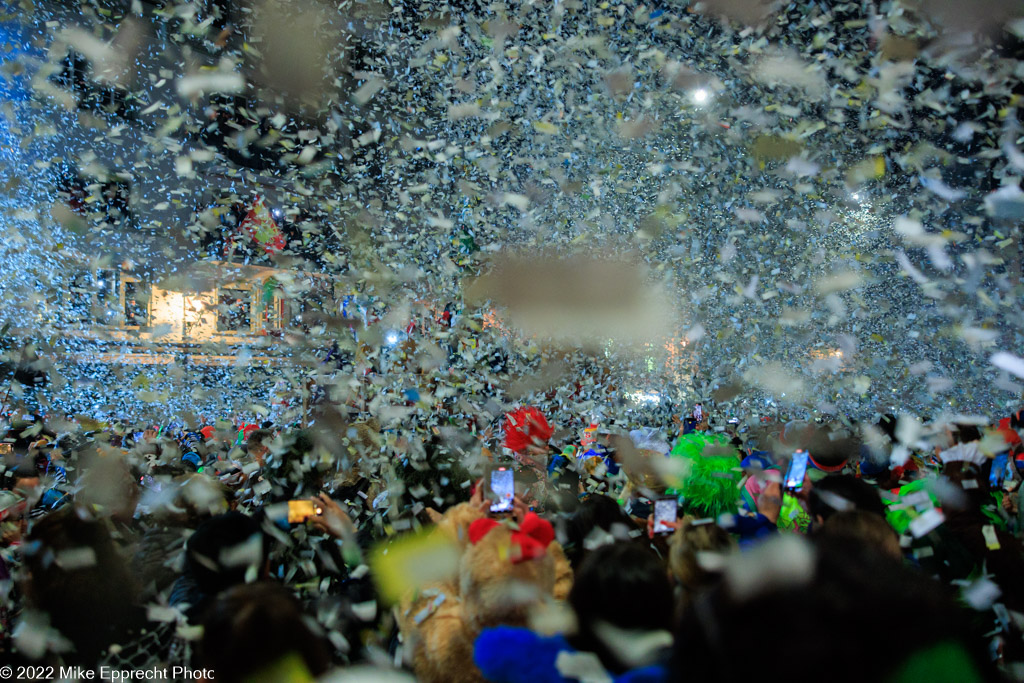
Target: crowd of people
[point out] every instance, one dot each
(702, 549)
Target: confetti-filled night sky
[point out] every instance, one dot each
(807, 207)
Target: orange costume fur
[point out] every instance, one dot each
(494, 586)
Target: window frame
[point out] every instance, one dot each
(250, 313)
(123, 299)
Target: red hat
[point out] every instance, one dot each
(207, 432)
(1010, 434)
(524, 427)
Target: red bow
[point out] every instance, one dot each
(533, 537)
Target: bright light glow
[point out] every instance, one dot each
(700, 96)
(391, 338)
(644, 397)
(856, 196)
(194, 304)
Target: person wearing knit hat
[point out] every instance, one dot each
(755, 466)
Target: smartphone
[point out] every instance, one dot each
(150, 482)
(797, 470)
(301, 510)
(504, 488)
(665, 510)
(998, 473)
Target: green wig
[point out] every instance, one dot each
(710, 486)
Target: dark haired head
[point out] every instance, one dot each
(887, 425)
(624, 586)
(214, 555)
(259, 437)
(687, 545)
(254, 627)
(839, 492)
(828, 621)
(76, 575)
(595, 512)
(865, 528)
(972, 480)
(965, 433)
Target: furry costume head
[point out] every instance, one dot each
(455, 522)
(505, 572)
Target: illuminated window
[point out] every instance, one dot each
(234, 310)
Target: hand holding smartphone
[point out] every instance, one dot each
(665, 510)
(797, 470)
(998, 472)
(301, 510)
(504, 490)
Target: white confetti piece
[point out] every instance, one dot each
(783, 562)
(206, 83)
(926, 522)
(76, 558)
(1009, 362)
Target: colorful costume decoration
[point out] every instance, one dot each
(260, 226)
(532, 538)
(524, 427)
(711, 484)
